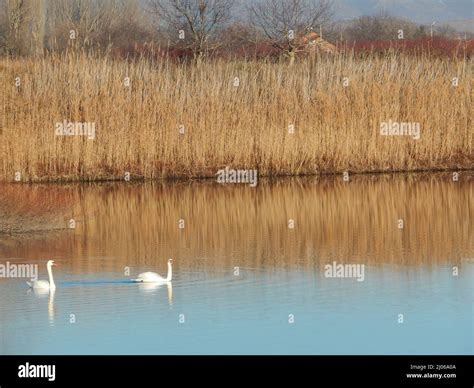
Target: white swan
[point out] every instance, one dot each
(153, 277)
(44, 284)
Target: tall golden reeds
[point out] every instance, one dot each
(187, 121)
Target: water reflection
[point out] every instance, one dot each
(240, 270)
(333, 219)
(151, 288)
(51, 307)
(42, 294)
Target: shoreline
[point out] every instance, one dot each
(173, 179)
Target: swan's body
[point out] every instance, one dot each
(153, 277)
(44, 284)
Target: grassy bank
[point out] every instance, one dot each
(336, 127)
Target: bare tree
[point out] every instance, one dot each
(31, 26)
(90, 20)
(283, 21)
(381, 27)
(13, 18)
(22, 26)
(446, 31)
(240, 38)
(132, 26)
(38, 24)
(4, 26)
(192, 24)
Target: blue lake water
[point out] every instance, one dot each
(280, 302)
(248, 314)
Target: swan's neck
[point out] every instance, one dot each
(51, 279)
(170, 273)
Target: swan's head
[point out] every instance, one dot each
(50, 263)
(170, 261)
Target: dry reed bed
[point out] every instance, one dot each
(227, 226)
(336, 127)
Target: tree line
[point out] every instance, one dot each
(196, 27)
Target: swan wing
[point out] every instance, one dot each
(149, 277)
(42, 284)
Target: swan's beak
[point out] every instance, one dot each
(55, 264)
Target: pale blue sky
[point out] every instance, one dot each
(423, 11)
